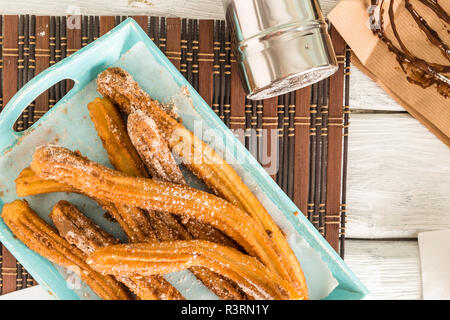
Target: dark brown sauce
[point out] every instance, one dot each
(438, 10)
(429, 32)
(417, 70)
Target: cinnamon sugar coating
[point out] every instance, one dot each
(202, 160)
(63, 165)
(165, 257)
(160, 163)
(84, 234)
(41, 238)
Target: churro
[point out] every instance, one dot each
(97, 181)
(202, 160)
(112, 132)
(78, 229)
(152, 148)
(41, 238)
(138, 225)
(160, 258)
(228, 240)
(133, 221)
(161, 164)
(28, 184)
(165, 231)
(83, 233)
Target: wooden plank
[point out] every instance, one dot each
(270, 150)
(227, 58)
(22, 122)
(1, 67)
(399, 178)
(9, 74)
(202, 9)
(173, 47)
(52, 51)
(389, 269)
(73, 31)
(142, 21)
(301, 134)
(106, 24)
(334, 152)
(237, 110)
(205, 61)
(10, 54)
(73, 28)
(42, 58)
(366, 94)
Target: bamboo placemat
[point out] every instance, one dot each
(311, 123)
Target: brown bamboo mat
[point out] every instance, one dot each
(312, 123)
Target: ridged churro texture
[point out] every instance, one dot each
(165, 257)
(155, 153)
(28, 184)
(83, 233)
(99, 182)
(165, 232)
(41, 238)
(78, 229)
(203, 161)
(159, 161)
(133, 221)
(123, 156)
(112, 131)
(136, 223)
(153, 149)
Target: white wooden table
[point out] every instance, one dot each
(399, 173)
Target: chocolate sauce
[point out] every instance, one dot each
(429, 32)
(417, 70)
(440, 12)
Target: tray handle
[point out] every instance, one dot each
(70, 69)
(96, 57)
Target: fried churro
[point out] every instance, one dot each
(202, 160)
(41, 238)
(52, 162)
(228, 240)
(111, 130)
(133, 221)
(137, 224)
(84, 234)
(28, 184)
(161, 164)
(78, 229)
(164, 232)
(160, 258)
(152, 148)
(113, 133)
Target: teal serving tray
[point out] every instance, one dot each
(68, 124)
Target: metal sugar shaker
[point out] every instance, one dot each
(280, 45)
